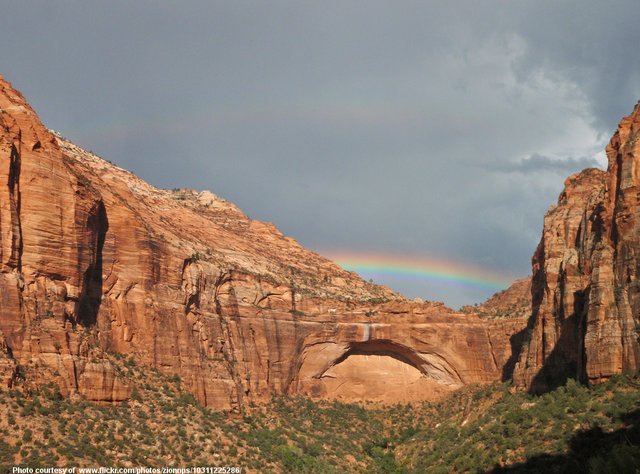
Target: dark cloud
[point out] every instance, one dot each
(592, 45)
(349, 124)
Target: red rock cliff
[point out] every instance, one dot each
(96, 261)
(586, 294)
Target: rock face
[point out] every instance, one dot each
(7, 364)
(52, 230)
(585, 290)
(507, 312)
(94, 261)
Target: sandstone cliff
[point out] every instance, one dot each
(585, 290)
(94, 261)
(507, 312)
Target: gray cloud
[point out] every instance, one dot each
(351, 125)
(539, 163)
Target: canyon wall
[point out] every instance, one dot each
(97, 265)
(585, 289)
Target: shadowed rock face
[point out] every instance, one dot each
(94, 260)
(585, 289)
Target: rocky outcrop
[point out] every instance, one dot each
(96, 263)
(585, 290)
(514, 302)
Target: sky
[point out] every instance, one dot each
(425, 137)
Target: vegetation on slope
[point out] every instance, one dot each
(164, 426)
(477, 429)
(571, 429)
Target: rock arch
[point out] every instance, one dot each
(378, 370)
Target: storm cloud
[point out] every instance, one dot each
(418, 128)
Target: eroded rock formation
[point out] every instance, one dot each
(94, 260)
(585, 290)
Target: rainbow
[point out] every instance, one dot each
(369, 265)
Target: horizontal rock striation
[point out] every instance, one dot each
(95, 262)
